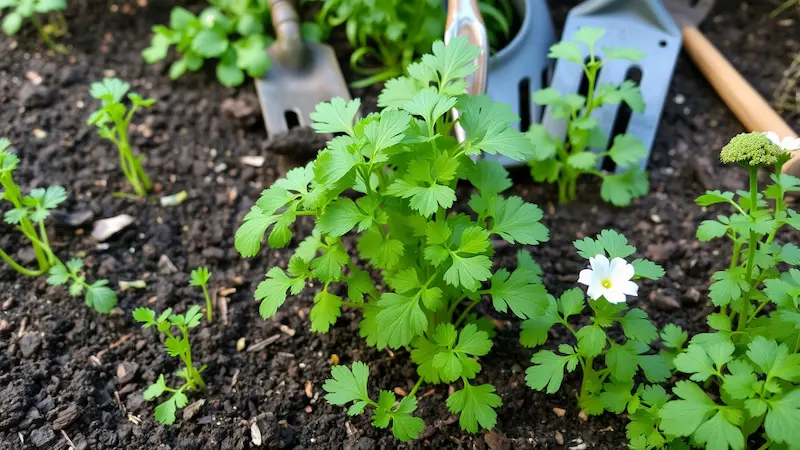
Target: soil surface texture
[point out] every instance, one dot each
(69, 374)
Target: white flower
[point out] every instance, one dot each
(611, 280)
(787, 144)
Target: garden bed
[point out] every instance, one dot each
(64, 368)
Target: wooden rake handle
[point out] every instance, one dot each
(746, 103)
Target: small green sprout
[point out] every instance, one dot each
(564, 162)
(175, 347)
(28, 214)
(112, 121)
(200, 277)
(32, 9)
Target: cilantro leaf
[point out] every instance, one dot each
(476, 405)
(348, 384)
(273, 290)
(518, 291)
(547, 373)
(335, 116)
(517, 221)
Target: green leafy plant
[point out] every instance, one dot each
(391, 178)
(33, 10)
(175, 347)
(28, 214)
(561, 162)
(199, 277)
(388, 35)
(751, 361)
(112, 120)
(608, 365)
(232, 31)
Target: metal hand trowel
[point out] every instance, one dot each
(302, 74)
(645, 25)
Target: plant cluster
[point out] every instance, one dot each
(391, 177)
(563, 162)
(112, 120)
(750, 363)
(175, 346)
(608, 364)
(232, 31)
(199, 277)
(33, 10)
(28, 214)
(388, 35)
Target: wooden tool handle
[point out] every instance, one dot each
(748, 105)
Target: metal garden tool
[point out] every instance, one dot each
(464, 19)
(645, 25)
(746, 103)
(302, 74)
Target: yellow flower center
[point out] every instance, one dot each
(606, 283)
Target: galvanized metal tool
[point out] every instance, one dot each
(746, 103)
(464, 19)
(642, 24)
(302, 74)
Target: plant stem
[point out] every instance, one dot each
(58, 48)
(751, 251)
(416, 388)
(464, 314)
(209, 313)
(27, 272)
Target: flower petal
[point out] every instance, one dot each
(773, 136)
(614, 295)
(621, 271)
(790, 144)
(600, 265)
(595, 291)
(628, 288)
(586, 277)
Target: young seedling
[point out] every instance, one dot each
(390, 178)
(28, 214)
(388, 35)
(564, 162)
(234, 33)
(200, 277)
(610, 282)
(33, 10)
(112, 121)
(749, 366)
(175, 347)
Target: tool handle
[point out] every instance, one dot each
(290, 50)
(746, 103)
(464, 19)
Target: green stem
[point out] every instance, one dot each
(466, 311)
(209, 313)
(416, 388)
(28, 273)
(751, 251)
(58, 48)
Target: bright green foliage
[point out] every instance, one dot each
(35, 10)
(390, 179)
(28, 214)
(388, 35)
(749, 366)
(350, 385)
(112, 120)
(200, 277)
(608, 388)
(564, 162)
(235, 32)
(175, 346)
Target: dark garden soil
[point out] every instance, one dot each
(66, 371)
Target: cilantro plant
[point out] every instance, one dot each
(750, 364)
(199, 277)
(390, 178)
(233, 32)
(608, 364)
(388, 35)
(28, 214)
(34, 10)
(564, 162)
(112, 121)
(175, 347)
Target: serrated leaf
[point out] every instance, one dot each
(476, 405)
